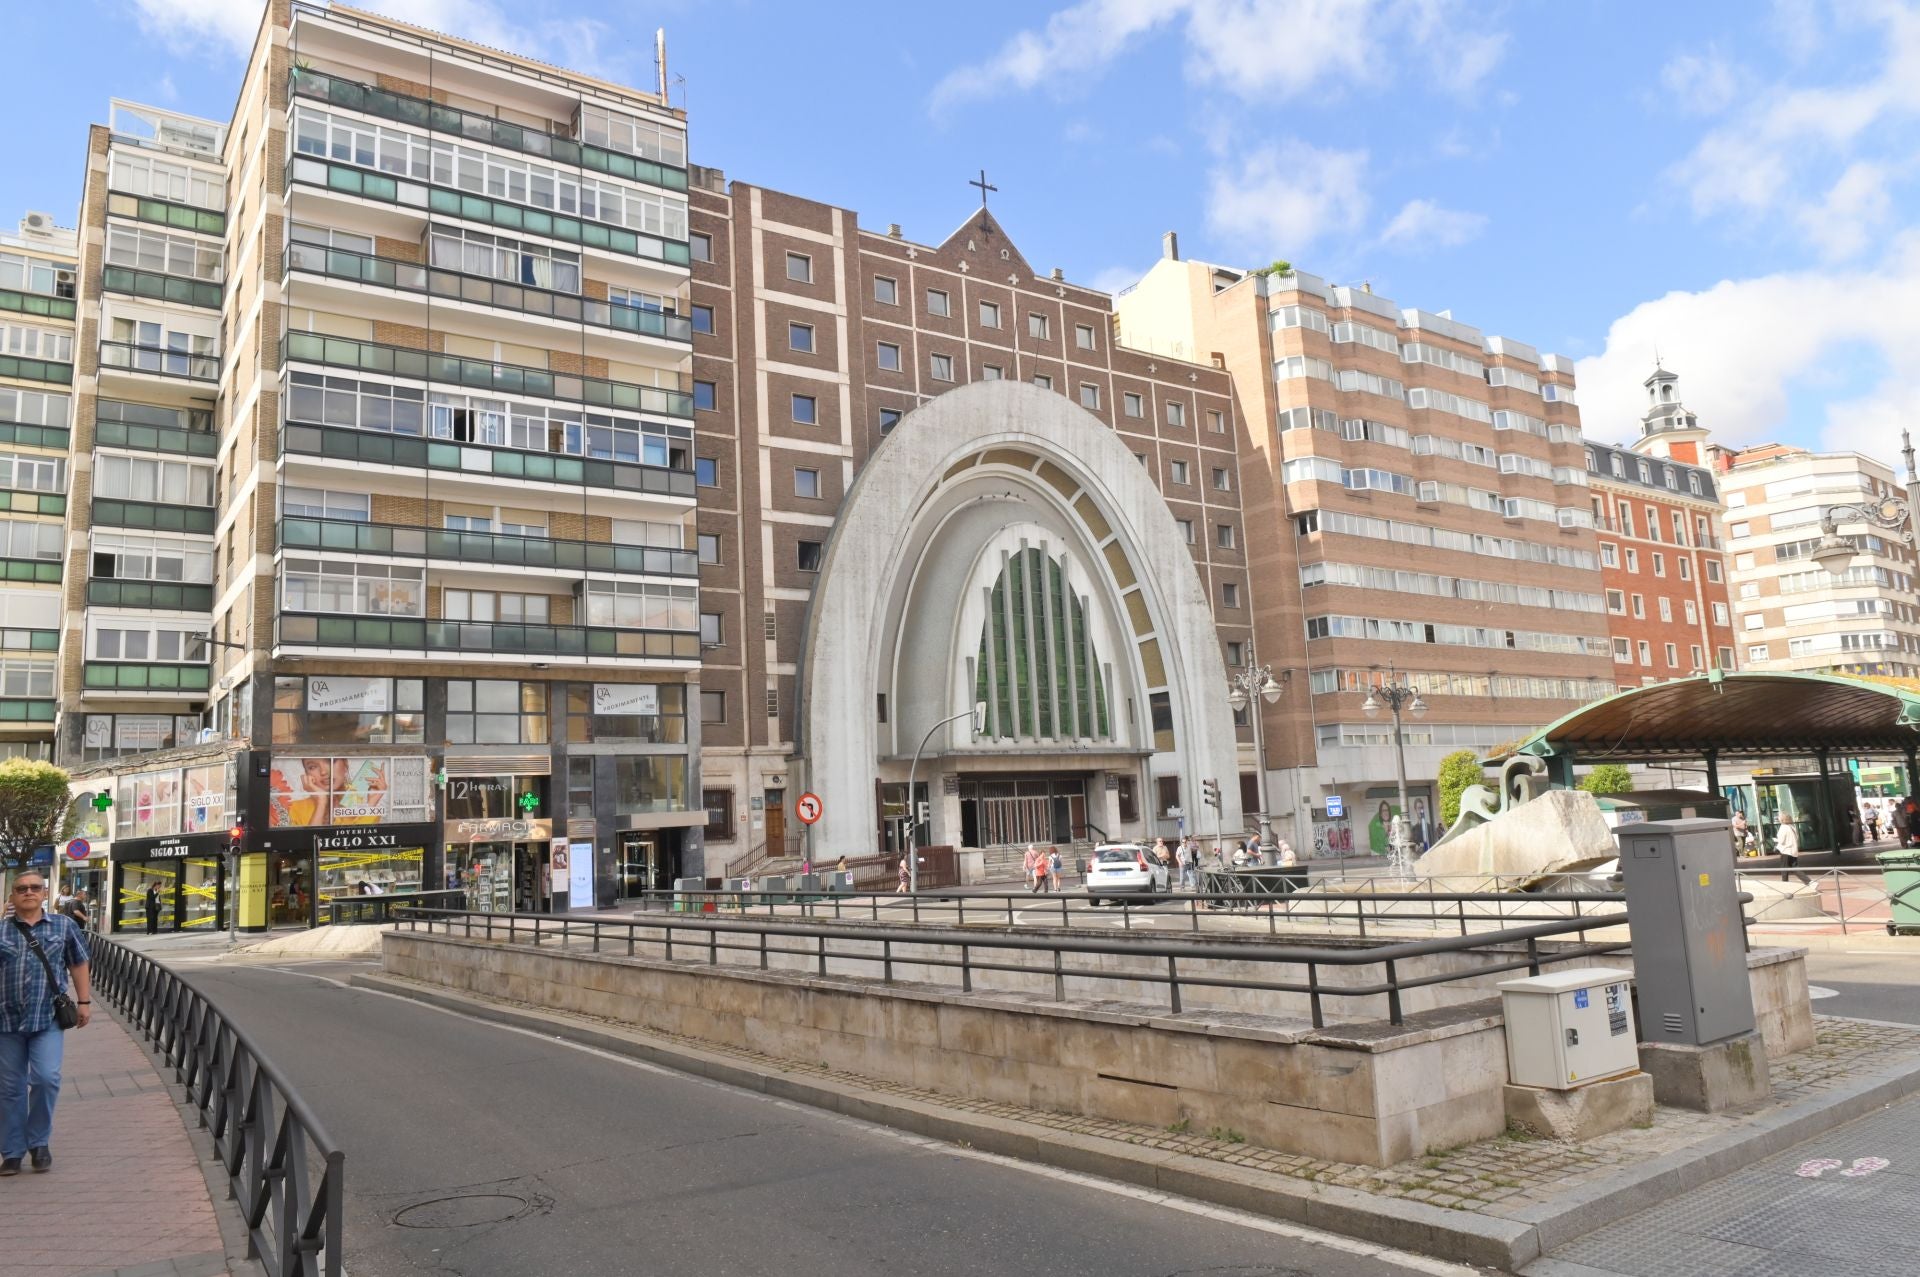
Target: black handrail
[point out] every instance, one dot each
(376, 910)
(964, 945)
(266, 1137)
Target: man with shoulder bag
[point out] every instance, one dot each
(39, 951)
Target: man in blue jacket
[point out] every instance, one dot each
(30, 1041)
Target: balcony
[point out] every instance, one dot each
(345, 179)
(160, 361)
(27, 435)
(30, 571)
(450, 639)
(140, 676)
(181, 217)
(371, 447)
(29, 640)
(15, 710)
(492, 549)
(38, 304)
(470, 126)
(60, 374)
(167, 439)
(154, 286)
(173, 596)
(14, 502)
(481, 374)
(153, 516)
(447, 285)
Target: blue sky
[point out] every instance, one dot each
(1732, 183)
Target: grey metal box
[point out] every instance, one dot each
(1689, 946)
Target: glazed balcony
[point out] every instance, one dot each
(15, 501)
(172, 596)
(484, 549)
(144, 676)
(446, 285)
(451, 640)
(470, 126)
(20, 711)
(158, 361)
(153, 516)
(482, 374)
(179, 217)
(154, 286)
(30, 571)
(378, 448)
(170, 440)
(429, 200)
(25, 369)
(29, 435)
(40, 304)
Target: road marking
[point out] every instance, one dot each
(1818, 991)
(1223, 1214)
(1814, 1168)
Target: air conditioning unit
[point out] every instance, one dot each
(37, 223)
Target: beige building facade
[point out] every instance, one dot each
(1418, 511)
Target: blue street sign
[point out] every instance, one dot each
(1336, 807)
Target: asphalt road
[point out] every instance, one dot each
(475, 1150)
(1867, 985)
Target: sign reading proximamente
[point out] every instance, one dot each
(642, 699)
(341, 694)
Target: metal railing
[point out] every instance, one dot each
(160, 361)
(380, 448)
(303, 629)
(269, 1143)
(701, 938)
(1461, 911)
(1853, 896)
(361, 911)
(299, 532)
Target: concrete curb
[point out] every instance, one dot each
(1494, 1241)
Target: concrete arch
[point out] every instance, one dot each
(952, 477)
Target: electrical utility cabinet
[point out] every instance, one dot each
(1568, 1028)
(1689, 944)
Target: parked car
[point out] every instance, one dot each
(1124, 869)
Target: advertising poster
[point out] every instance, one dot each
(580, 875)
(313, 791)
(626, 698)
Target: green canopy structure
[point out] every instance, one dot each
(1734, 715)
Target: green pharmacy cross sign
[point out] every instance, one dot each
(102, 801)
(528, 802)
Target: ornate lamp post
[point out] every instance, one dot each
(1834, 551)
(1258, 680)
(1398, 696)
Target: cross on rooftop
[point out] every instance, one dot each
(984, 186)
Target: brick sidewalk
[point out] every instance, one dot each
(126, 1191)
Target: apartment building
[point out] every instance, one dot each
(1791, 613)
(930, 478)
(1656, 513)
(38, 307)
(385, 448)
(1418, 510)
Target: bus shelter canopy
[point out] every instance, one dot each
(1737, 715)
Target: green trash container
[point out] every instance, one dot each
(1902, 869)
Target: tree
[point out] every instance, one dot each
(1458, 770)
(1607, 778)
(36, 808)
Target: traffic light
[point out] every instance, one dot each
(923, 813)
(239, 832)
(1210, 792)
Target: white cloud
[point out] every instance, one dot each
(1284, 197)
(1743, 348)
(1701, 83)
(231, 25)
(1424, 224)
(1792, 140)
(1255, 49)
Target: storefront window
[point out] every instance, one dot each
(337, 710)
(627, 713)
(323, 790)
(106, 736)
(580, 789)
(650, 783)
(387, 872)
(719, 805)
(147, 805)
(494, 797)
(496, 712)
(205, 811)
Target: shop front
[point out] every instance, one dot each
(337, 826)
(175, 883)
(506, 865)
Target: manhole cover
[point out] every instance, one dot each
(463, 1211)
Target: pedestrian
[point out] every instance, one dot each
(46, 985)
(1053, 870)
(1286, 859)
(1740, 834)
(903, 875)
(153, 907)
(1030, 865)
(1873, 823)
(841, 866)
(1040, 883)
(1853, 829)
(1910, 809)
(1786, 844)
(77, 909)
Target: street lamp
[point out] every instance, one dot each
(1398, 697)
(1833, 551)
(979, 716)
(1258, 680)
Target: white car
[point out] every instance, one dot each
(1123, 869)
